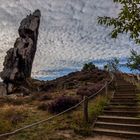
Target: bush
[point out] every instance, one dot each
(89, 90)
(45, 97)
(60, 104)
(89, 67)
(101, 77)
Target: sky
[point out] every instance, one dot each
(69, 34)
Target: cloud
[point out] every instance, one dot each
(69, 32)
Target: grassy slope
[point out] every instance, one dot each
(71, 123)
(17, 112)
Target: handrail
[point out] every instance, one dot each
(52, 117)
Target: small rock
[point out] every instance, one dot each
(25, 91)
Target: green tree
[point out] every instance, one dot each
(113, 65)
(89, 67)
(134, 61)
(106, 67)
(127, 21)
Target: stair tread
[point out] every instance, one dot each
(122, 107)
(118, 124)
(125, 93)
(122, 102)
(124, 99)
(116, 131)
(123, 111)
(118, 117)
(129, 94)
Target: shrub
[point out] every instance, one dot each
(85, 77)
(60, 104)
(44, 97)
(101, 77)
(70, 84)
(89, 90)
(89, 67)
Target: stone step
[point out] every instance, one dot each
(126, 85)
(125, 88)
(120, 82)
(126, 92)
(122, 113)
(118, 126)
(122, 108)
(125, 134)
(124, 100)
(124, 97)
(123, 103)
(119, 119)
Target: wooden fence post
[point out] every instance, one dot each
(85, 108)
(106, 88)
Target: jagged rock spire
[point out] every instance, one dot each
(18, 61)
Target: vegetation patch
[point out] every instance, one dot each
(96, 107)
(60, 104)
(11, 117)
(52, 98)
(89, 90)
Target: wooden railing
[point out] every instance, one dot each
(86, 98)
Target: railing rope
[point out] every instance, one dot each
(85, 105)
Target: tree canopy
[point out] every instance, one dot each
(127, 21)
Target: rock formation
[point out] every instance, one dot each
(18, 61)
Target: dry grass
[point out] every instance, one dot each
(70, 122)
(20, 112)
(11, 117)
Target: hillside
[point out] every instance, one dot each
(53, 97)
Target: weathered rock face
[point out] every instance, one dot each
(18, 61)
(3, 91)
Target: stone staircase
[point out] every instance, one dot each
(120, 117)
